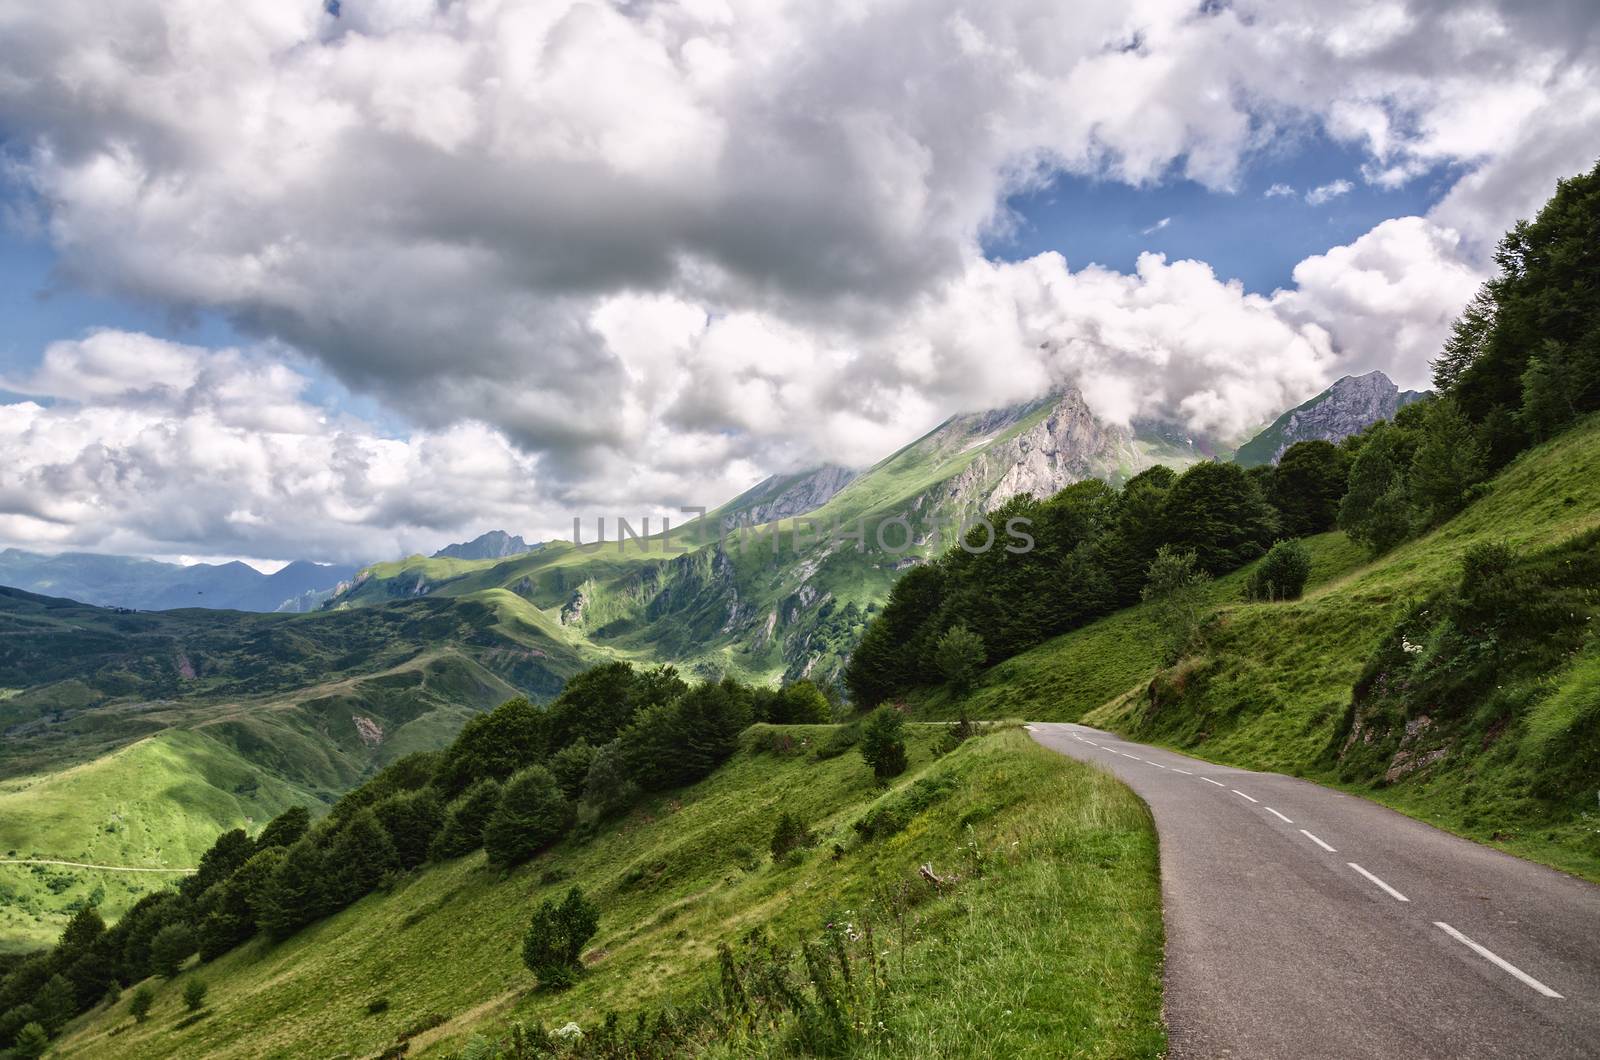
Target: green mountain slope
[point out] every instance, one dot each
(1027, 841)
(158, 803)
(236, 715)
(1274, 684)
(727, 601)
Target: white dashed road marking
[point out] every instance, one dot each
(1241, 794)
(1278, 815)
(1390, 891)
(1496, 960)
(1317, 841)
(1218, 783)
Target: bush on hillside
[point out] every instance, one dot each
(194, 993)
(883, 744)
(532, 814)
(790, 835)
(553, 946)
(1282, 575)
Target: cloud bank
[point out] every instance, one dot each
(640, 254)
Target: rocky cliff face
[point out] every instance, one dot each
(1068, 445)
(785, 496)
(1347, 407)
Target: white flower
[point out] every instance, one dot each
(570, 1033)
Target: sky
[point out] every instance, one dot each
(346, 282)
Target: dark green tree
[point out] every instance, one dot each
(411, 819)
(194, 993)
(297, 893)
(959, 656)
(464, 819)
(532, 814)
(1376, 510)
(1216, 512)
(553, 946)
(286, 829)
(172, 946)
(495, 745)
(1307, 486)
(888, 658)
(1175, 589)
(230, 851)
(1448, 463)
(56, 1003)
(361, 857)
(32, 1041)
(570, 767)
(883, 744)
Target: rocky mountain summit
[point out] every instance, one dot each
(496, 544)
(1347, 407)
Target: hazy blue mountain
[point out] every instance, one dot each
(1347, 407)
(496, 544)
(149, 585)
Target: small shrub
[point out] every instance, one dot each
(838, 742)
(790, 835)
(883, 744)
(553, 947)
(893, 814)
(139, 1005)
(1282, 574)
(194, 993)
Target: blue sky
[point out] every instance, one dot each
(1244, 235)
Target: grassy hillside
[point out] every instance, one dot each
(170, 727)
(1046, 940)
(157, 804)
(1272, 687)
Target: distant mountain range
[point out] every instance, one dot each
(1347, 407)
(976, 462)
(496, 544)
(149, 585)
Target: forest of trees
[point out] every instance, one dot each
(515, 781)
(1521, 365)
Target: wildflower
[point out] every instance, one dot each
(570, 1033)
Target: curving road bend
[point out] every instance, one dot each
(1302, 922)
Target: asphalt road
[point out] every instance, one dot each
(1305, 923)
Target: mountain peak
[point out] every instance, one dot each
(496, 544)
(1349, 406)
